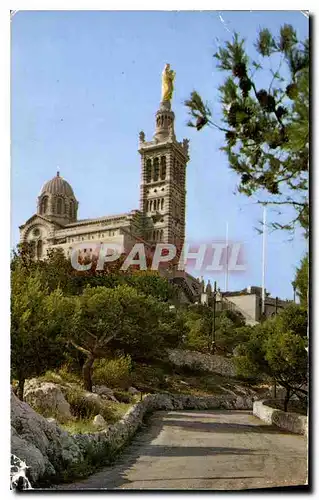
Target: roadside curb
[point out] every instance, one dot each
(293, 422)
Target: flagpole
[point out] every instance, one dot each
(226, 267)
(264, 261)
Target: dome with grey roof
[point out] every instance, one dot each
(57, 186)
(57, 201)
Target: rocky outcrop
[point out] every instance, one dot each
(48, 398)
(292, 422)
(205, 362)
(105, 392)
(44, 447)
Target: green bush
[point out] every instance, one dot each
(123, 397)
(69, 375)
(113, 372)
(80, 406)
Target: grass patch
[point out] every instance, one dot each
(116, 411)
(110, 411)
(61, 376)
(79, 426)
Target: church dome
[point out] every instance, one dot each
(57, 201)
(57, 186)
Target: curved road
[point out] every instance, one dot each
(219, 450)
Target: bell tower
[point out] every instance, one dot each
(163, 190)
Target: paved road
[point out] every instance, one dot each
(219, 450)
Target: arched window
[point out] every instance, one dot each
(59, 206)
(162, 233)
(156, 169)
(148, 170)
(163, 168)
(162, 204)
(39, 249)
(176, 173)
(44, 205)
(178, 170)
(71, 209)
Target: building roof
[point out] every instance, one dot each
(105, 218)
(57, 186)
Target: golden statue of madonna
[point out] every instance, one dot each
(168, 76)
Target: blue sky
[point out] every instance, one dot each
(85, 83)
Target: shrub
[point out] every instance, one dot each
(113, 372)
(123, 397)
(80, 406)
(50, 376)
(68, 375)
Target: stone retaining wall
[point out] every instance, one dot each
(292, 422)
(207, 362)
(49, 451)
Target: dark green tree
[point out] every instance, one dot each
(37, 320)
(301, 282)
(266, 128)
(108, 320)
(277, 348)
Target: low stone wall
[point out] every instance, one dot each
(49, 451)
(208, 362)
(292, 422)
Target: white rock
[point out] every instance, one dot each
(133, 391)
(99, 422)
(102, 390)
(47, 397)
(51, 420)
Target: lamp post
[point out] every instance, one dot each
(275, 385)
(213, 342)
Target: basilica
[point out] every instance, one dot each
(160, 216)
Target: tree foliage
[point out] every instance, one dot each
(266, 129)
(301, 281)
(277, 349)
(36, 326)
(106, 320)
(198, 321)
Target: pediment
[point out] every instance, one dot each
(39, 219)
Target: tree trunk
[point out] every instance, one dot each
(274, 390)
(20, 388)
(87, 373)
(286, 400)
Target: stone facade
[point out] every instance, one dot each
(249, 302)
(163, 192)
